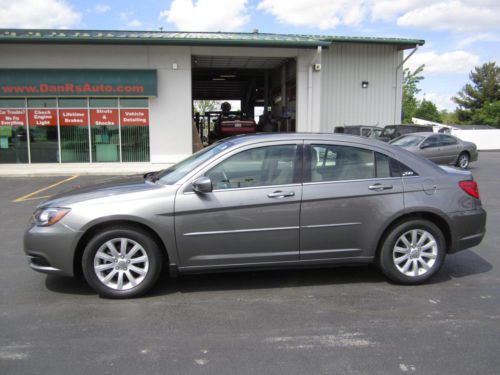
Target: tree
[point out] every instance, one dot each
(477, 99)
(488, 115)
(202, 106)
(410, 91)
(427, 110)
(449, 118)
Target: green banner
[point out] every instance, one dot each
(77, 82)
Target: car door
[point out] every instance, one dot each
(449, 148)
(252, 214)
(349, 192)
(431, 149)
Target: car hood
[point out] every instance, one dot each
(125, 185)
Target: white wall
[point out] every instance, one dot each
(170, 115)
(344, 101)
(485, 139)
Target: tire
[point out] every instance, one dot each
(463, 160)
(391, 256)
(140, 267)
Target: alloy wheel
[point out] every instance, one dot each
(415, 252)
(121, 263)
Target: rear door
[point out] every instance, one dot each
(349, 192)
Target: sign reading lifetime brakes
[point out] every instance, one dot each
(77, 82)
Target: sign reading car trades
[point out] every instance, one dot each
(134, 117)
(73, 117)
(104, 116)
(42, 117)
(12, 117)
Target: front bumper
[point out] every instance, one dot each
(468, 229)
(51, 249)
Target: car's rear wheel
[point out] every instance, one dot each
(122, 262)
(412, 251)
(463, 160)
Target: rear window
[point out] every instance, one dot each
(389, 167)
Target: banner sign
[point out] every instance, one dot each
(42, 117)
(77, 82)
(73, 117)
(137, 117)
(12, 117)
(103, 116)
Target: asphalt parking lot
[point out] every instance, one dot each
(327, 321)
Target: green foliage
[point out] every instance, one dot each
(449, 118)
(202, 106)
(478, 100)
(410, 91)
(427, 110)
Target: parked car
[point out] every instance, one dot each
(229, 128)
(361, 130)
(393, 131)
(262, 201)
(439, 148)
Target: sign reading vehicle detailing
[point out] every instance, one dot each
(73, 117)
(104, 116)
(12, 117)
(136, 117)
(42, 117)
(77, 82)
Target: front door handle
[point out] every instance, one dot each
(281, 194)
(379, 187)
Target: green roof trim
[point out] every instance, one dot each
(188, 38)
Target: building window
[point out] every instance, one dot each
(43, 130)
(104, 129)
(134, 120)
(74, 128)
(13, 133)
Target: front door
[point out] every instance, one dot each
(431, 149)
(349, 193)
(252, 214)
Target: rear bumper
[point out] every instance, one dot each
(468, 229)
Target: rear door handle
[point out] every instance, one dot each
(281, 194)
(379, 187)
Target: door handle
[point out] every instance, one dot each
(281, 194)
(379, 187)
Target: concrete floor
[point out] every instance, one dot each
(327, 321)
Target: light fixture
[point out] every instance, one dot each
(218, 79)
(364, 84)
(228, 75)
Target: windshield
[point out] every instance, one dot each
(174, 173)
(407, 140)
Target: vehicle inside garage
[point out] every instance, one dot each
(265, 87)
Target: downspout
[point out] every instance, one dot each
(396, 115)
(310, 87)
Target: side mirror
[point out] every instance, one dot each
(202, 185)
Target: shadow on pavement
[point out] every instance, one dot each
(465, 263)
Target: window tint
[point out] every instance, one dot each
(262, 166)
(333, 163)
(389, 167)
(447, 140)
(432, 141)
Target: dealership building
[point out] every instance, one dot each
(87, 96)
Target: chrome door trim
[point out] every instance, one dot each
(239, 231)
(329, 225)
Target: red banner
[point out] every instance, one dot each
(12, 117)
(104, 116)
(135, 117)
(42, 117)
(73, 117)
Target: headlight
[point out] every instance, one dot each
(44, 217)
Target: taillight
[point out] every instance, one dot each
(470, 187)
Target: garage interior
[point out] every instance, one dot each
(265, 86)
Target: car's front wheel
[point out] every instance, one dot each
(412, 251)
(122, 262)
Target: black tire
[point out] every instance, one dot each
(143, 238)
(387, 263)
(463, 160)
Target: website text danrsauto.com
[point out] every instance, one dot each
(70, 88)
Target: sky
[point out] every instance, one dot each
(459, 34)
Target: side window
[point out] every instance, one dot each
(432, 141)
(447, 140)
(262, 166)
(334, 163)
(389, 167)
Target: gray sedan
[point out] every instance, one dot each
(439, 148)
(258, 202)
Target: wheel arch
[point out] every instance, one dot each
(433, 217)
(103, 225)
